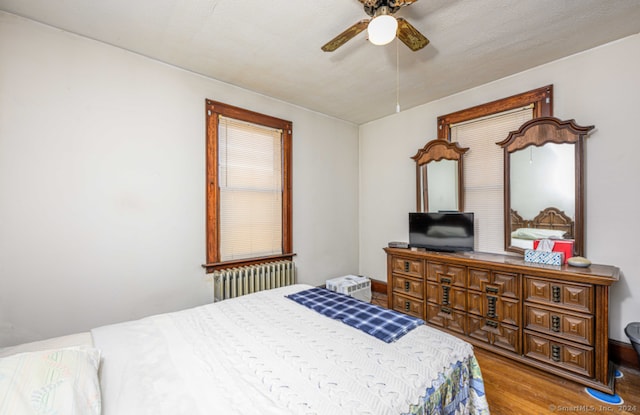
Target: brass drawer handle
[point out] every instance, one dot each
(492, 290)
(555, 353)
(407, 306)
(555, 323)
(491, 312)
(555, 294)
(407, 266)
(407, 286)
(445, 280)
(445, 295)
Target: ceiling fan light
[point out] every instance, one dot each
(382, 29)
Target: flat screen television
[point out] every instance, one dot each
(442, 231)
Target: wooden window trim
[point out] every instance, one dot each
(541, 98)
(213, 111)
(210, 267)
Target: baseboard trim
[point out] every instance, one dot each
(620, 353)
(623, 354)
(378, 286)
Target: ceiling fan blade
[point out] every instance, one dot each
(400, 3)
(410, 36)
(345, 36)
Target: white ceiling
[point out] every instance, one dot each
(273, 47)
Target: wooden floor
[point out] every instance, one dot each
(516, 389)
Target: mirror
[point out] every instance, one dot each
(543, 184)
(439, 177)
(442, 189)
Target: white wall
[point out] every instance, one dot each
(102, 168)
(599, 87)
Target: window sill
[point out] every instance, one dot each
(214, 266)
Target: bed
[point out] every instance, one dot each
(550, 223)
(261, 353)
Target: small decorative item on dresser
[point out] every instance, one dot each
(396, 244)
(578, 261)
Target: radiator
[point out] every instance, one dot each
(234, 282)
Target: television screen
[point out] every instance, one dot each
(442, 231)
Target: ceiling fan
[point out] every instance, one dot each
(382, 27)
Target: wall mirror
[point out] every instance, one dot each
(439, 177)
(543, 183)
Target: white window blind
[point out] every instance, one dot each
(483, 173)
(250, 182)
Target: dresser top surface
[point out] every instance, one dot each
(605, 274)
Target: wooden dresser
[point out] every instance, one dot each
(554, 318)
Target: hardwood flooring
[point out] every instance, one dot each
(513, 388)
(516, 389)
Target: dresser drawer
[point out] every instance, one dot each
(446, 317)
(447, 274)
(500, 335)
(577, 359)
(574, 327)
(413, 267)
(408, 305)
(408, 286)
(574, 296)
(447, 295)
(494, 282)
(503, 309)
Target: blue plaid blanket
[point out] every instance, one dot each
(387, 325)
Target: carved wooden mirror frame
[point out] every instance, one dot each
(436, 150)
(538, 132)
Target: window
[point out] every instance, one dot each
(541, 98)
(248, 187)
(484, 172)
(480, 128)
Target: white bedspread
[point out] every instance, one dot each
(264, 354)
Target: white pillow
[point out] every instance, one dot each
(57, 381)
(536, 233)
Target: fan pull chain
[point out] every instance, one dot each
(397, 76)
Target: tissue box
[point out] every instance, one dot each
(543, 257)
(564, 246)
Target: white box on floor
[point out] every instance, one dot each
(351, 285)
